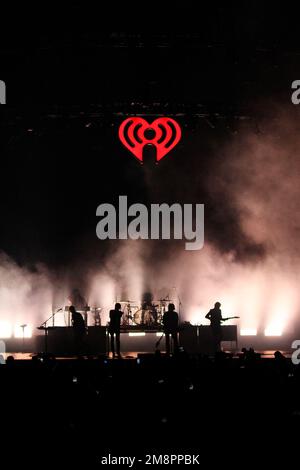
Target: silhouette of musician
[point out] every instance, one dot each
(148, 309)
(78, 329)
(114, 329)
(170, 323)
(215, 317)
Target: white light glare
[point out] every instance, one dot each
(18, 332)
(248, 332)
(137, 334)
(273, 331)
(5, 329)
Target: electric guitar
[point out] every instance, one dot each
(228, 318)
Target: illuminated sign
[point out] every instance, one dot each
(135, 132)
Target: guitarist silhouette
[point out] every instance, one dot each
(215, 317)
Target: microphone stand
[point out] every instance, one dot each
(51, 317)
(23, 336)
(45, 328)
(179, 303)
(179, 309)
(158, 342)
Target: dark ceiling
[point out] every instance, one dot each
(222, 56)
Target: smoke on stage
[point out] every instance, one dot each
(250, 260)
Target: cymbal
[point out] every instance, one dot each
(165, 300)
(127, 301)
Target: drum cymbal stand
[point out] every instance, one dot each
(129, 316)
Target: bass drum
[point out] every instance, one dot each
(148, 317)
(137, 317)
(144, 317)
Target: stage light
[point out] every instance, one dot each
(2, 92)
(2, 352)
(18, 332)
(248, 332)
(5, 329)
(273, 331)
(137, 334)
(159, 333)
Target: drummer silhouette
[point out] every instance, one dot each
(148, 309)
(77, 299)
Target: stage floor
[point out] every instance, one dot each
(266, 354)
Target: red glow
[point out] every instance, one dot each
(167, 134)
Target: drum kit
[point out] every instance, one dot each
(148, 314)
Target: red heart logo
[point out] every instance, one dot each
(166, 134)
